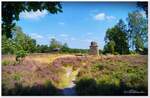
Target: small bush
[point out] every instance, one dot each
(97, 67)
(116, 53)
(4, 63)
(20, 55)
(35, 90)
(89, 86)
(86, 86)
(17, 76)
(132, 53)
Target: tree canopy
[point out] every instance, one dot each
(11, 11)
(137, 30)
(116, 39)
(19, 41)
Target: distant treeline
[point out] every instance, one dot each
(21, 41)
(63, 49)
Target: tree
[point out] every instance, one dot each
(109, 47)
(139, 45)
(11, 11)
(55, 44)
(144, 6)
(23, 41)
(116, 39)
(65, 48)
(138, 29)
(8, 45)
(18, 42)
(43, 48)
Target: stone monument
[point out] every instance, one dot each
(93, 49)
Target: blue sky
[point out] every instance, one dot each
(78, 25)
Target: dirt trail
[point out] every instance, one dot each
(70, 89)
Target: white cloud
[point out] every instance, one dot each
(61, 23)
(103, 16)
(36, 36)
(33, 15)
(63, 35)
(100, 16)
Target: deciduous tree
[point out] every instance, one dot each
(138, 30)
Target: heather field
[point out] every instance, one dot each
(74, 48)
(69, 74)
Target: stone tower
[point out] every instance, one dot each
(94, 49)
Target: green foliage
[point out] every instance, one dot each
(20, 41)
(100, 51)
(109, 47)
(42, 49)
(4, 63)
(116, 39)
(139, 44)
(138, 30)
(11, 11)
(47, 83)
(74, 50)
(7, 62)
(35, 90)
(145, 51)
(86, 86)
(55, 44)
(65, 48)
(116, 53)
(20, 55)
(97, 67)
(17, 76)
(8, 46)
(133, 52)
(113, 78)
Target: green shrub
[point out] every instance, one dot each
(17, 76)
(20, 55)
(116, 53)
(108, 89)
(86, 86)
(132, 52)
(4, 63)
(97, 67)
(49, 89)
(89, 86)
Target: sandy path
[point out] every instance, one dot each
(70, 89)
